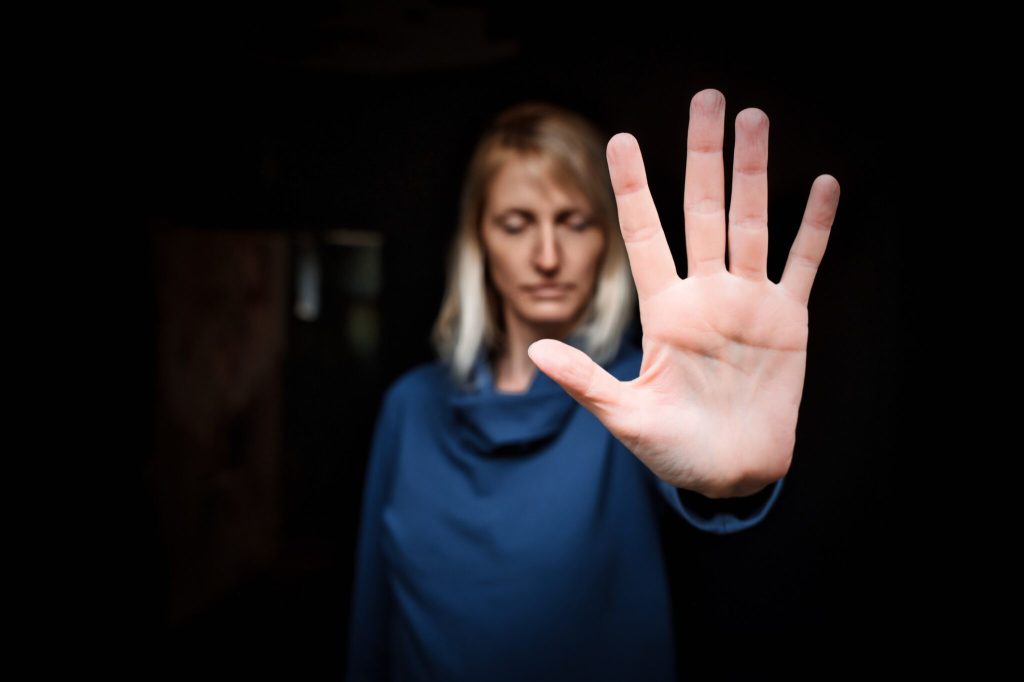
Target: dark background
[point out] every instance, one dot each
(291, 124)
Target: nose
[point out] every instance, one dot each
(547, 253)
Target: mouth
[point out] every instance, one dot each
(549, 290)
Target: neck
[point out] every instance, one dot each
(513, 369)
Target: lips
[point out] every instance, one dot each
(549, 290)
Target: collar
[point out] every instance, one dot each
(512, 423)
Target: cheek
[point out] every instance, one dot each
(590, 257)
(501, 263)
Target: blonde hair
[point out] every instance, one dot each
(470, 318)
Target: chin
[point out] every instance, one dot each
(550, 315)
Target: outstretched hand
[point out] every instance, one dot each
(724, 350)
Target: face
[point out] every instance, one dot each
(543, 247)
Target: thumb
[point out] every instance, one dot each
(582, 378)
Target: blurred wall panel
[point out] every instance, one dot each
(222, 332)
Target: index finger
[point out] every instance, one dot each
(650, 258)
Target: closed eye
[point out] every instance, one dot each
(511, 228)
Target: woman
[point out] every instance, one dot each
(506, 531)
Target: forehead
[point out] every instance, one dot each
(528, 181)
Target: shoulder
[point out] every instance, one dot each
(425, 381)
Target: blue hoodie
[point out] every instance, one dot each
(512, 537)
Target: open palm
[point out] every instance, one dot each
(724, 351)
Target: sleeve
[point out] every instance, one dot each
(721, 516)
(368, 634)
